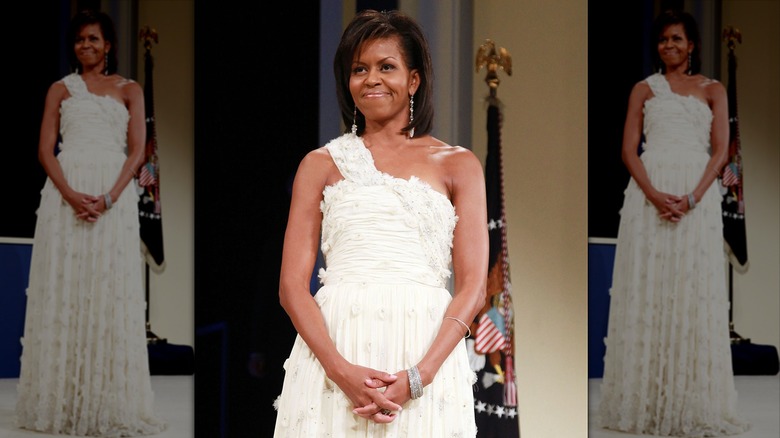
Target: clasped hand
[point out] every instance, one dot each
(364, 387)
(87, 207)
(670, 207)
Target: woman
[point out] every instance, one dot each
(667, 368)
(84, 365)
(380, 348)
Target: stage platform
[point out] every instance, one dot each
(758, 399)
(173, 401)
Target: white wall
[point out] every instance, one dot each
(756, 304)
(172, 292)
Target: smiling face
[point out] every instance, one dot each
(380, 83)
(674, 46)
(89, 46)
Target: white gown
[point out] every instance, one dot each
(667, 368)
(84, 364)
(386, 243)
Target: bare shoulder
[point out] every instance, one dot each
(458, 156)
(129, 88)
(641, 91)
(458, 161)
(58, 90)
(710, 89)
(713, 87)
(319, 157)
(318, 166)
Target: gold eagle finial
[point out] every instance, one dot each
(493, 58)
(147, 35)
(730, 35)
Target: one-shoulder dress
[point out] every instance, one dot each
(667, 367)
(84, 364)
(387, 247)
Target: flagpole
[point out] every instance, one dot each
(492, 348)
(731, 178)
(148, 36)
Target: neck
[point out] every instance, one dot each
(679, 71)
(93, 70)
(388, 138)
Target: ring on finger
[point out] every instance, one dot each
(385, 412)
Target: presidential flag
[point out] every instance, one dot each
(491, 349)
(149, 205)
(733, 202)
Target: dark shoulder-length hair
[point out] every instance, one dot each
(102, 19)
(668, 18)
(369, 25)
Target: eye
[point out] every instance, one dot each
(358, 69)
(388, 67)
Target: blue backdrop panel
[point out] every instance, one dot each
(14, 273)
(601, 258)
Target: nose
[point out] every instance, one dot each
(373, 77)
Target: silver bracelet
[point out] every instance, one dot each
(415, 382)
(468, 329)
(107, 199)
(691, 201)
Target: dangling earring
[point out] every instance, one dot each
(411, 115)
(354, 118)
(105, 66)
(690, 65)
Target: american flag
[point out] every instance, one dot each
(149, 203)
(496, 404)
(147, 175)
(489, 337)
(730, 175)
(732, 179)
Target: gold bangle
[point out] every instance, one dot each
(462, 323)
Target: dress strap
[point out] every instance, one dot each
(75, 85)
(658, 84)
(353, 160)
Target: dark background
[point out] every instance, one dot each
(30, 72)
(256, 116)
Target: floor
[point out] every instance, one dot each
(173, 401)
(758, 400)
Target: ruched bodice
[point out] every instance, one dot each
(89, 122)
(675, 121)
(413, 242)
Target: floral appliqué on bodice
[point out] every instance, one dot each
(424, 208)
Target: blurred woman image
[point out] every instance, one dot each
(84, 364)
(667, 368)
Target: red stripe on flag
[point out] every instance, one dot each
(510, 386)
(146, 178)
(729, 178)
(489, 338)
